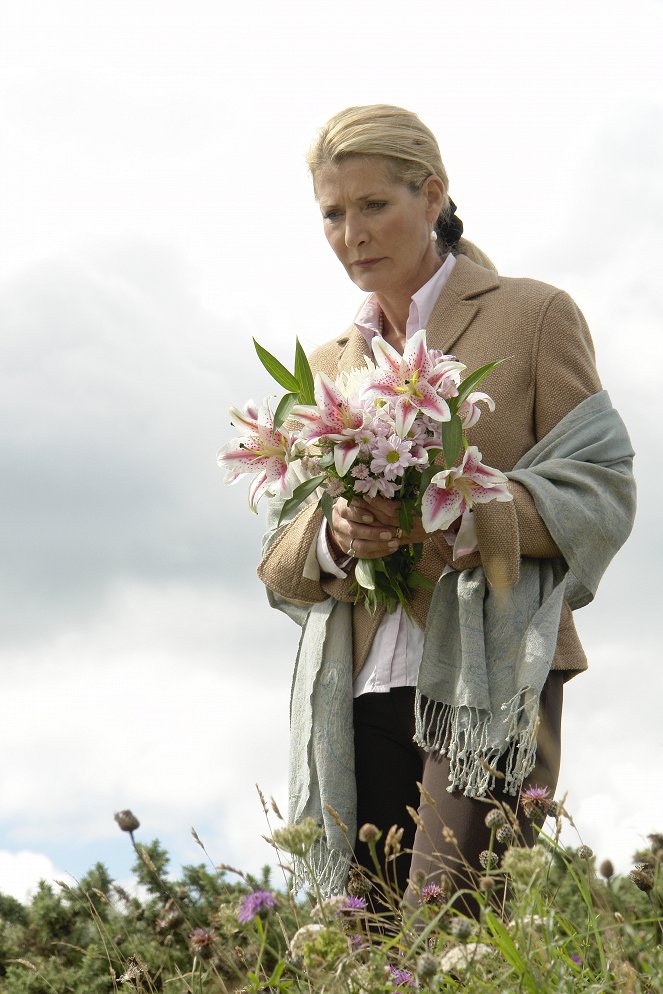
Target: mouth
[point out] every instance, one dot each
(366, 263)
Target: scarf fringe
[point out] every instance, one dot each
(328, 867)
(461, 733)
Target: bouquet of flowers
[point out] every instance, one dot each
(394, 428)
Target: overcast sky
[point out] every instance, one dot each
(155, 213)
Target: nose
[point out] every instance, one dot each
(355, 230)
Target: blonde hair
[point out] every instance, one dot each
(410, 151)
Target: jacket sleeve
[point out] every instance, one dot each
(563, 374)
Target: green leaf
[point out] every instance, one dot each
(276, 369)
(472, 381)
(327, 505)
(452, 440)
(300, 494)
(304, 376)
(365, 574)
(405, 516)
(286, 404)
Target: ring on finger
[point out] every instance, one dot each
(399, 532)
(351, 551)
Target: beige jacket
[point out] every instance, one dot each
(549, 369)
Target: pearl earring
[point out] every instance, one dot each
(433, 235)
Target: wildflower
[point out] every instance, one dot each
(486, 884)
(401, 978)
(369, 833)
(525, 865)
(201, 940)
(353, 903)
(456, 490)
(459, 958)
(134, 971)
(606, 869)
(585, 852)
(495, 818)
(488, 859)
(258, 903)
(297, 839)
(576, 959)
(433, 894)
(301, 936)
(127, 820)
(461, 928)
(357, 941)
(322, 948)
(535, 801)
(642, 876)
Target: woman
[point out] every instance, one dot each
(420, 709)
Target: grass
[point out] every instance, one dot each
(545, 922)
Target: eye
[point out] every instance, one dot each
(376, 205)
(331, 215)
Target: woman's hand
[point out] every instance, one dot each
(371, 526)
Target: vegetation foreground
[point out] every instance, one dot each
(544, 921)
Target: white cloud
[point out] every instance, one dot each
(21, 872)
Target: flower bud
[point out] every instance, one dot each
(127, 820)
(606, 869)
(369, 833)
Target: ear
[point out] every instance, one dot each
(433, 192)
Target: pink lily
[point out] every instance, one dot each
(413, 378)
(453, 491)
(333, 417)
(469, 411)
(264, 451)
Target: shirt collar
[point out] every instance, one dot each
(421, 307)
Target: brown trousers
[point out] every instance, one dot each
(452, 831)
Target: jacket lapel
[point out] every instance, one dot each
(459, 303)
(456, 308)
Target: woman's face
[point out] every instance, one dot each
(380, 230)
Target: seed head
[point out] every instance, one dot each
(642, 876)
(488, 859)
(426, 967)
(606, 869)
(495, 819)
(487, 884)
(392, 844)
(585, 852)
(358, 885)
(461, 928)
(505, 835)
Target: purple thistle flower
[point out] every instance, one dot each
(535, 800)
(576, 959)
(255, 904)
(401, 978)
(353, 903)
(357, 941)
(432, 894)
